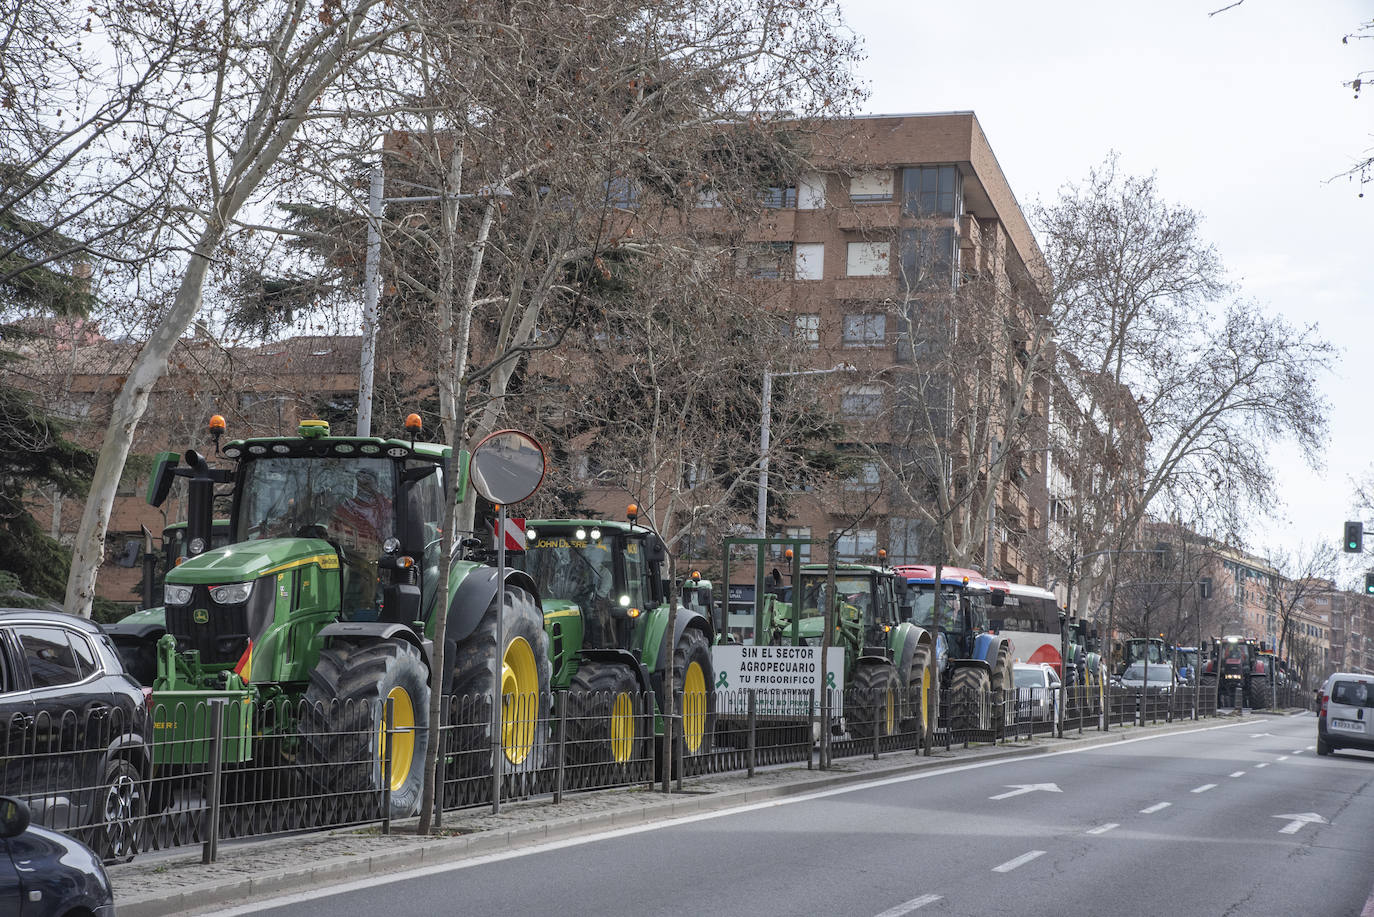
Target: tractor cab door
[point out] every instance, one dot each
(422, 526)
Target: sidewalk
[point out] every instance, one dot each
(157, 885)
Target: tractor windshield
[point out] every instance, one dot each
(349, 501)
(855, 592)
(922, 601)
(576, 570)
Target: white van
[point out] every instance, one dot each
(1347, 708)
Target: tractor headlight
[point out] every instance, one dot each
(231, 593)
(175, 594)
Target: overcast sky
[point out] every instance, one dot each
(1242, 116)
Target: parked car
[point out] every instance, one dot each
(1343, 717)
(47, 874)
(1159, 678)
(1037, 691)
(77, 733)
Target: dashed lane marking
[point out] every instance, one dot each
(1297, 751)
(1262, 764)
(1204, 788)
(1281, 758)
(909, 906)
(1103, 829)
(1157, 807)
(1022, 860)
(1238, 774)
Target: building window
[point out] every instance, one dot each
(865, 476)
(766, 261)
(869, 259)
(870, 187)
(857, 546)
(810, 261)
(860, 402)
(865, 330)
(803, 550)
(807, 329)
(906, 540)
(929, 258)
(621, 192)
(777, 197)
(932, 191)
(810, 191)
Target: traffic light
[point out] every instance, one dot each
(1354, 537)
(1369, 584)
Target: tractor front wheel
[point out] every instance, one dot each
(344, 725)
(877, 700)
(603, 724)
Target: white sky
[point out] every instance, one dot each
(1242, 116)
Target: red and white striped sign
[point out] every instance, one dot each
(514, 532)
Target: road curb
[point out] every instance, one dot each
(413, 852)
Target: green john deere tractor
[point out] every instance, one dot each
(889, 663)
(327, 592)
(605, 603)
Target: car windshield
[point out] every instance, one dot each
(1352, 694)
(1136, 672)
(350, 501)
(1029, 678)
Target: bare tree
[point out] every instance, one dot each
(242, 85)
(1306, 573)
(1176, 395)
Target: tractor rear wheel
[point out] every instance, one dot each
(1003, 687)
(694, 695)
(968, 691)
(877, 697)
(1258, 694)
(525, 672)
(603, 721)
(344, 721)
(924, 697)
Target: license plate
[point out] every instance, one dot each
(1347, 725)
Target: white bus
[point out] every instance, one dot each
(1028, 615)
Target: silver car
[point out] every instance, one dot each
(1159, 678)
(1037, 692)
(1343, 720)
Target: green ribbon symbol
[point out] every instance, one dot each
(830, 681)
(722, 683)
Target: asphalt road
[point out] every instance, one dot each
(1232, 819)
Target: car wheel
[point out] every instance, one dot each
(1323, 746)
(119, 812)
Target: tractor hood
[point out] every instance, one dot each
(248, 560)
(560, 608)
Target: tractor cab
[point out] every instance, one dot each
(866, 602)
(334, 528)
(1143, 649)
(963, 605)
(607, 575)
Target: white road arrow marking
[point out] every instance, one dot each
(1018, 789)
(1298, 820)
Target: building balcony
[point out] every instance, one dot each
(869, 217)
(865, 289)
(773, 226)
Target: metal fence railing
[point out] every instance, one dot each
(204, 772)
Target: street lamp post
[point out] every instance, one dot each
(371, 270)
(761, 512)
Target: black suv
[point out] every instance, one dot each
(76, 734)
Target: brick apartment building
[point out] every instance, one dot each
(891, 199)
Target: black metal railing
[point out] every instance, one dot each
(203, 772)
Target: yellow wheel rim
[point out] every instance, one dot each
(519, 700)
(925, 699)
(622, 729)
(402, 736)
(693, 707)
(890, 712)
